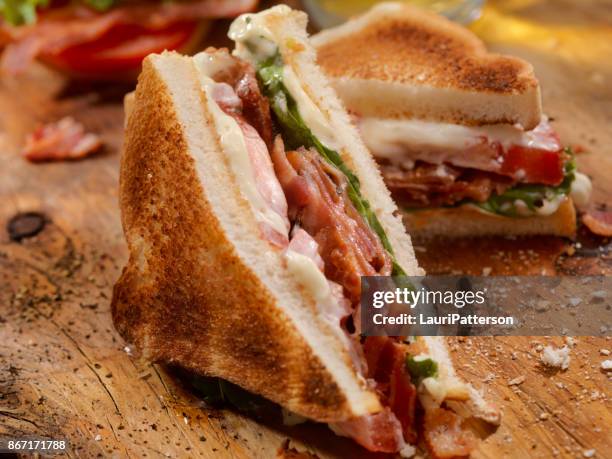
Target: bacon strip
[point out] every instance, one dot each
(390, 429)
(63, 140)
(255, 106)
(430, 185)
(61, 28)
(380, 432)
(386, 359)
(599, 222)
(317, 197)
(241, 76)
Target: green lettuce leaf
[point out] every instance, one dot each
(421, 369)
(100, 5)
(532, 195)
(297, 134)
(17, 12)
(20, 12)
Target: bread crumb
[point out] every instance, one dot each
(488, 378)
(98, 437)
(544, 416)
(588, 453)
(598, 296)
(604, 352)
(516, 381)
(575, 301)
(556, 357)
(606, 365)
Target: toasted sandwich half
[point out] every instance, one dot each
(458, 132)
(251, 209)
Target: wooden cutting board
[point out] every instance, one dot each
(65, 372)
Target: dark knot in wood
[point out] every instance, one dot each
(25, 225)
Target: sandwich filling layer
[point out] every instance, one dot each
(498, 169)
(300, 120)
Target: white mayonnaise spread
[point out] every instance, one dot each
(234, 145)
(310, 276)
(210, 64)
(254, 41)
(550, 206)
(580, 191)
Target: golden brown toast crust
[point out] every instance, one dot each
(413, 49)
(174, 302)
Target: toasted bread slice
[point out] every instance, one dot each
(202, 289)
(468, 221)
(398, 61)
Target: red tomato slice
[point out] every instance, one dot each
(120, 50)
(537, 166)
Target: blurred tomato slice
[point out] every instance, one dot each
(121, 49)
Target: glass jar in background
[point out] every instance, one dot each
(327, 13)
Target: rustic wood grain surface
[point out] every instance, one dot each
(65, 373)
